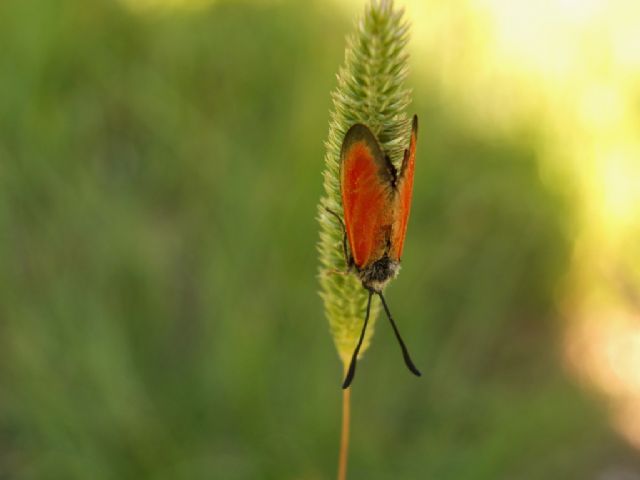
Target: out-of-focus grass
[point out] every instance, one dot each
(160, 319)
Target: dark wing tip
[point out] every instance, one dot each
(359, 133)
(356, 133)
(414, 125)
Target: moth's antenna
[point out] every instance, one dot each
(405, 352)
(352, 366)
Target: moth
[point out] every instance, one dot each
(376, 201)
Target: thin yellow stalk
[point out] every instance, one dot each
(344, 435)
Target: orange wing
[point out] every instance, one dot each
(405, 191)
(366, 178)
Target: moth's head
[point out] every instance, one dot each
(376, 275)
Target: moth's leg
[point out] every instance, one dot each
(333, 271)
(347, 257)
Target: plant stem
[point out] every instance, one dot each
(344, 436)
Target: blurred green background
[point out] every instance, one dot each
(159, 176)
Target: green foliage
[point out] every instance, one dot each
(370, 91)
